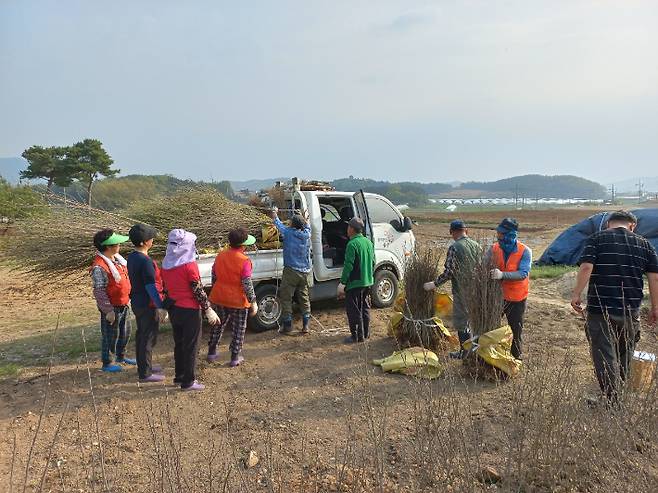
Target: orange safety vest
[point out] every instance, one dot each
(227, 290)
(118, 292)
(512, 290)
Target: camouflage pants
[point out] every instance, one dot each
(291, 281)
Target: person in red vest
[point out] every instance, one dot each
(513, 261)
(186, 301)
(111, 287)
(232, 294)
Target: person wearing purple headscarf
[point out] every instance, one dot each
(186, 301)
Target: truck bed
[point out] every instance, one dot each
(268, 264)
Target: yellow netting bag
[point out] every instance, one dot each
(494, 347)
(414, 361)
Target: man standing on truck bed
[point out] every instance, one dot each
(357, 278)
(297, 271)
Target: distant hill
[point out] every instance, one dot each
(542, 186)
(256, 185)
(118, 193)
(10, 168)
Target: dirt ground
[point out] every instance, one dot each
(293, 402)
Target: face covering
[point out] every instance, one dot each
(180, 249)
(508, 242)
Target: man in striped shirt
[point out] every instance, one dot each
(614, 262)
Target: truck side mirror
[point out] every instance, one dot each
(408, 225)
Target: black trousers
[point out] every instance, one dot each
(186, 324)
(357, 305)
(146, 338)
(514, 311)
(612, 340)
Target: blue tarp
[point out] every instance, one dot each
(567, 247)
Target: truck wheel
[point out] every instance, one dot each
(269, 309)
(385, 290)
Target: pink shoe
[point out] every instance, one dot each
(154, 377)
(211, 358)
(195, 386)
(156, 369)
(236, 361)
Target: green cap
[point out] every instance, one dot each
(115, 239)
(249, 241)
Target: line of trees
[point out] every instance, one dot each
(85, 162)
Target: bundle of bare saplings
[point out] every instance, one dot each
(203, 211)
(418, 326)
(58, 245)
(484, 304)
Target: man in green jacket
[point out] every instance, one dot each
(357, 278)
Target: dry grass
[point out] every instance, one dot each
(550, 442)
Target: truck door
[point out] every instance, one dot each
(362, 211)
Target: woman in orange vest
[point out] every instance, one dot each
(232, 294)
(513, 261)
(111, 287)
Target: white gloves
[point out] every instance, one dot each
(496, 274)
(254, 309)
(111, 317)
(161, 315)
(212, 317)
(429, 286)
(340, 292)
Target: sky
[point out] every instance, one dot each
(451, 90)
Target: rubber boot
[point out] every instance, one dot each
(464, 335)
(286, 328)
(306, 320)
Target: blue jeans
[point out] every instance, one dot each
(114, 337)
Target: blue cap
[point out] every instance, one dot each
(457, 225)
(508, 224)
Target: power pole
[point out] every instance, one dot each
(640, 191)
(613, 193)
(516, 195)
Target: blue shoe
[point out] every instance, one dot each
(111, 368)
(127, 361)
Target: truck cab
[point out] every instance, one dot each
(328, 213)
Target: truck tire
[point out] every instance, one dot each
(385, 290)
(269, 309)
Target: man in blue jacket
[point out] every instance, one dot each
(297, 271)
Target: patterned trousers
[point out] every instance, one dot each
(115, 337)
(236, 320)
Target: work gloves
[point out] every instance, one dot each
(212, 317)
(340, 292)
(253, 310)
(496, 274)
(429, 286)
(161, 315)
(111, 317)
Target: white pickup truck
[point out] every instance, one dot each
(328, 214)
